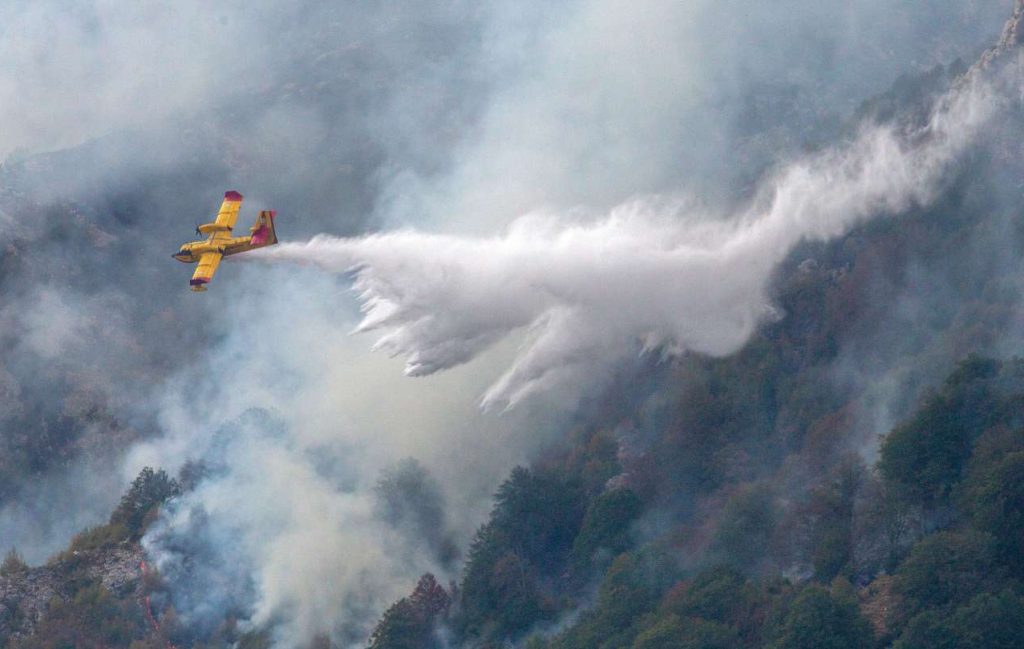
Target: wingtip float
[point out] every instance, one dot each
(220, 243)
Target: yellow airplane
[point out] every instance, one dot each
(220, 243)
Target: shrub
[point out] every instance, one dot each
(13, 564)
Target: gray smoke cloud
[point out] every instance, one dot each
(174, 105)
(285, 527)
(603, 101)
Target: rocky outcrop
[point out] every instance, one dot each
(25, 595)
(1012, 38)
(1012, 34)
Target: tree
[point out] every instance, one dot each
(673, 632)
(399, 628)
(13, 564)
(987, 621)
(149, 490)
(927, 630)
(830, 514)
(887, 523)
(927, 454)
(818, 620)
(535, 519)
(745, 529)
(720, 594)
(520, 602)
(990, 621)
(944, 568)
(995, 499)
(476, 595)
(430, 598)
(632, 586)
(409, 498)
(606, 526)
(499, 597)
(539, 513)
(410, 622)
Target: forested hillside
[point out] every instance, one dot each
(739, 502)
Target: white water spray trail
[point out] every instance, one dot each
(651, 273)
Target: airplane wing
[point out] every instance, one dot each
(229, 210)
(208, 263)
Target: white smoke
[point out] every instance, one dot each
(285, 515)
(271, 535)
(282, 530)
(653, 273)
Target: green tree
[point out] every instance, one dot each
(944, 568)
(606, 526)
(399, 628)
(927, 630)
(927, 454)
(410, 622)
(745, 529)
(13, 564)
(990, 621)
(994, 496)
(626, 593)
(672, 632)
(149, 490)
(535, 519)
(888, 524)
(818, 620)
(408, 497)
(477, 597)
(539, 513)
(632, 587)
(719, 594)
(987, 621)
(830, 514)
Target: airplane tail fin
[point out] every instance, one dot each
(263, 232)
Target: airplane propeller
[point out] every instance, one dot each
(198, 231)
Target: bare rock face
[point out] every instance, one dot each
(1012, 34)
(1011, 39)
(23, 599)
(25, 595)
(118, 569)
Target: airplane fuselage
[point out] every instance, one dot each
(190, 252)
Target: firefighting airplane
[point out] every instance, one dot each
(220, 243)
